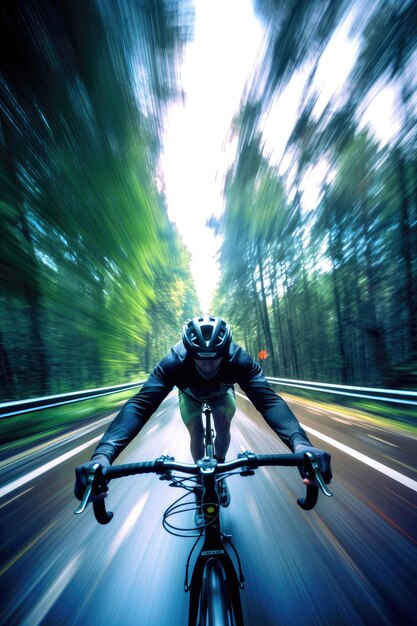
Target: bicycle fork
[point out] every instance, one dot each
(213, 548)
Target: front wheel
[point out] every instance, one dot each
(215, 604)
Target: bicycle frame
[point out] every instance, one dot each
(213, 546)
(208, 431)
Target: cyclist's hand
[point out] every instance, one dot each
(323, 459)
(81, 476)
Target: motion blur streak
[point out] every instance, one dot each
(42, 607)
(127, 526)
(404, 480)
(391, 521)
(19, 495)
(4, 491)
(28, 547)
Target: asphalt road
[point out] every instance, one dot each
(353, 560)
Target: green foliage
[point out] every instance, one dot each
(29, 429)
(89, 251)
(329, 292)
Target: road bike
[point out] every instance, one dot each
(215, 585)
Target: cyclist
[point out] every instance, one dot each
(204, 366)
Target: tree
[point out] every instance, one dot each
(84, 87)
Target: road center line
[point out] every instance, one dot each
(380, 467)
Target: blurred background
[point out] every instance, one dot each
(313, 217)
(255, 159)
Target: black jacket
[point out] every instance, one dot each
(177, 369)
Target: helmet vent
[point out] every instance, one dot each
(207, 332)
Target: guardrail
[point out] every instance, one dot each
(395, 396)
(7, 409)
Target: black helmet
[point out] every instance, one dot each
(206, 337)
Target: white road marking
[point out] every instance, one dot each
(128, 525)
(43, 606)
(387, 443)
(384, 469)
(22, 493)
(19, 482)
(339, 419)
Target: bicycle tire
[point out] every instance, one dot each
(215, 604)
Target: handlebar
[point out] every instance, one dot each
(246, 461)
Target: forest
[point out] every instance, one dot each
(329, 291)
(95, 280)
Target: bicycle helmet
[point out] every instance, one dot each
(206, 337)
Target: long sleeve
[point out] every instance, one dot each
(134, 415)
(272, 407)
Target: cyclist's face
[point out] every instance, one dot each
(207, 367)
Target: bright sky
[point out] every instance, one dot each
(197, 150)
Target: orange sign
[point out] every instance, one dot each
(263, 354)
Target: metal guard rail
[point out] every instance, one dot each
(395, 396)
(7, 409)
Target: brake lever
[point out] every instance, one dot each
(88, 490)
(317, 476)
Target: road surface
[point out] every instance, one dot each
(353, 560)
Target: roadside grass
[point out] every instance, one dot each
(396, 418)
(21, 431)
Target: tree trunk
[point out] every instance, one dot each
(334, 247)
(7, 383)
(278, 321)
(406, 248)
(374, 330)
(260, 315)
(264, 306)
(291, 335)
(340, 329)
(307, 315)
(30, 290)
